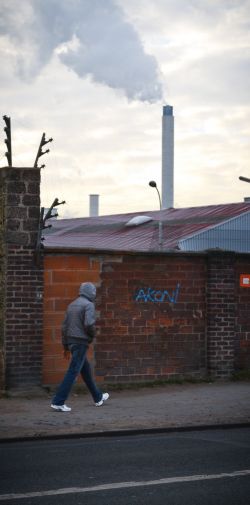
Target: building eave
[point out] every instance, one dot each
(118, 252)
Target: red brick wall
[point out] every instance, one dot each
(143, 338)
(221, 314)
(137, 340)
(146, 329)
(228, 319)
(62, 277)
(24, 319)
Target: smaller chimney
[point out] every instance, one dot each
(93, 205)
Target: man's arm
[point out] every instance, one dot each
(91, 332)
(64, 333)
(89, 322)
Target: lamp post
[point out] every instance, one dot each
(153, 184)
(245, 179)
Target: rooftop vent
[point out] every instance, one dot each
(137, 220)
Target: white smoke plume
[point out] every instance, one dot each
(91, 37)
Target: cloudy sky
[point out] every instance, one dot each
(94, 75)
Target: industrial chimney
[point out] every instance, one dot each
(93, 205)
(167, 157)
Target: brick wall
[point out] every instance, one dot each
(242, 347)
(159, 317)
(63, 276)
(137, 339)
(152, 318)
(228, 320)
(3, 259)
(221, 313)
(22, 279)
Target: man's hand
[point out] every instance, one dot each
(66, 354)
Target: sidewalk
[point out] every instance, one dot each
(161, 407)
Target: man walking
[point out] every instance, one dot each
(78, 331)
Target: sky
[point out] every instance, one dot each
(95, 74)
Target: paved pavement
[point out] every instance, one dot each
(161, 407)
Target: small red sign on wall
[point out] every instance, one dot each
(245, 280)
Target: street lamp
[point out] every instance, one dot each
(153, 184)
(245, 179)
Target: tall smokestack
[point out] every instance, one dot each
(167, 157)
(93, 205)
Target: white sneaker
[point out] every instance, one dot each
(61, 408)
(105, 396)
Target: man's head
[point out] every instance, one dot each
(88, 290)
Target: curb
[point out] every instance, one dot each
(126, 432)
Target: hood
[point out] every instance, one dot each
(88, 290)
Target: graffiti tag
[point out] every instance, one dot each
(157, 296)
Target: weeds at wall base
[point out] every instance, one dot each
(241, 375)
(133, 386)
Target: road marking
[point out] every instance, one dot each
(122, 485)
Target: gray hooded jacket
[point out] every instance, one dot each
(79, 321)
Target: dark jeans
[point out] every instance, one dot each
(78, 364)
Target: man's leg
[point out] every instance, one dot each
(87, 376)
(78, 352)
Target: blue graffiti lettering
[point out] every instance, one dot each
(150, 295)
(169, 298)
(140, 296)
(177, 292)
(159, 296)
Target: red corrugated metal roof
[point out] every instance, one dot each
(110, 232)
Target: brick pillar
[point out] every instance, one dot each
(20, 277)
(3, 256)
(221, 314)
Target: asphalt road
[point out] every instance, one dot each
(198, 467)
